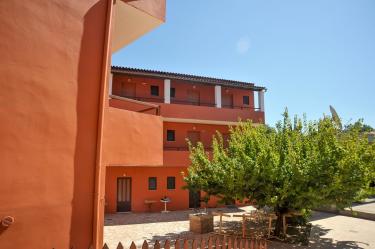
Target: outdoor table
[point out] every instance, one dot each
(149, 203)
(165, 200)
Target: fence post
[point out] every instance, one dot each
(217, 243)
(177, 244)
(157, 245)
(246, 244)
(186, 244)
(132, 246)
(145, 245)
(210, 242)
(167, 244)
(120, 246)
(229, 243)
(235, 243)
(224, 242)
(203, 244)
(105, 246)
(194, 244)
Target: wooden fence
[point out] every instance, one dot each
(214, 242)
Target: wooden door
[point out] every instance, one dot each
(194, 199)
(124, 189)
(194, 137)
(193, 97)
(128, 89)
(227, 100)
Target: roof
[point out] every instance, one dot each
(187, 77)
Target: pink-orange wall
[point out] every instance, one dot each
(132, 138)
(206, 92)
(140, 192)
(131, 106)
(181, 130)
(50, 67)
(210, 113)
(142, 86)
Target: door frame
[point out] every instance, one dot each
(130, 193)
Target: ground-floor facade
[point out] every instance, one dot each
(140, 189)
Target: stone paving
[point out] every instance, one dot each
(329, 230)
(368, 206)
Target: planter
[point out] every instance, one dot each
(201, 223)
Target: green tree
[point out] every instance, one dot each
(298, 165)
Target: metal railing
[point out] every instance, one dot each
(182, 148)
(189, 102)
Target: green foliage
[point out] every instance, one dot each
(359, 125)
(298, 165)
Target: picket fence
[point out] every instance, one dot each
(214, 242)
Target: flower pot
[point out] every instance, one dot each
(201, 223)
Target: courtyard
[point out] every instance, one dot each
(328, 231)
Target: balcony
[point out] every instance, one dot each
(204, 112)
(184, 109)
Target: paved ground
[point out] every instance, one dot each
(368, 206)
(329, 230)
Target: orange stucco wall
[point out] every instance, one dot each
(131, 106)
(50, 68)
(181, 130)
(141, 86)
(140, 192)
(209, 113)
(206, 92)
(132, 139)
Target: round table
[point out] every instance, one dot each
(165, 201)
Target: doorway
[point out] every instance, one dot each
(124, 190)
(228, 100)
(128, 89)
(193, 97)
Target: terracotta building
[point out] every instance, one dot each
(54, 70)
(175, 107)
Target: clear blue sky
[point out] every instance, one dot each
(309, 54)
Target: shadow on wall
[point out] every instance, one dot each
(87, 111)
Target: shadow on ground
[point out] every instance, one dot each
(142, 218)
(317, 241)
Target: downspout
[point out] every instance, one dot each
(98, 215)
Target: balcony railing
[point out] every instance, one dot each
(144, 99)
(182, 148)
(189, 102)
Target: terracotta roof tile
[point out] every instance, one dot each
(187, 77)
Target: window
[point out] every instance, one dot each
(170, 135)
(154, 90)
(246, 100)
(171, 182)
(173, 92)
(152, 183)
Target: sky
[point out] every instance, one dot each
(308, 54)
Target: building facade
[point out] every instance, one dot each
(180, 107)
(54, 69)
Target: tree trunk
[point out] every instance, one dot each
(279, 221)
